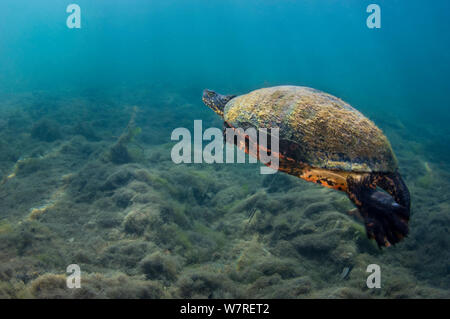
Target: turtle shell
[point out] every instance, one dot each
(315, 128)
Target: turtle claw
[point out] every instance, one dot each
(386, 221)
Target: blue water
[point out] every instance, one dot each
(236, 46)
(397, 75)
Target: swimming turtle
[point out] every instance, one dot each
(324, 140)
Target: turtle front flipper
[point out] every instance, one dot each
(385, 220)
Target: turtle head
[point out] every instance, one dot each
(216, 101)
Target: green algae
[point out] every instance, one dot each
(152, 229)
(5, 227)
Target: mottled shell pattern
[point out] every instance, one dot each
(319, 129)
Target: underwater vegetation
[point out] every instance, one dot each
(45, 130)
(77, 189)
(119, 152)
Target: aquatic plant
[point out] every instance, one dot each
(204, 283)
(161, 266)
(46, 130)
(5, 227)
(135, 222)
(119, 152)
(125, 255)
(87, 130)
(49, 286)
(116, 285)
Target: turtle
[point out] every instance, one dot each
(324, 140)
